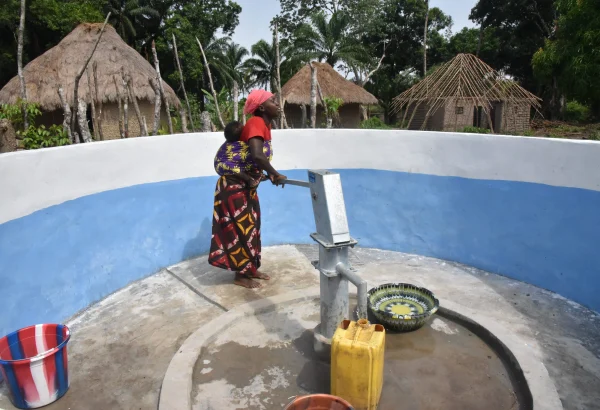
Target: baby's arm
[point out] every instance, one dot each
(251, 182)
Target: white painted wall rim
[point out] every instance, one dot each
(33, 180)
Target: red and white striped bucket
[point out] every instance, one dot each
(33, 363)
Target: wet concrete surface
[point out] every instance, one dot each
(442, 365)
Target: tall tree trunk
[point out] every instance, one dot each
(425, 37)
(67, 115)
(20, 66)
(236, 98)
(82, 118)
(187, 102)
(161, 89)
(303, 117)
(278, 58)
(125, 105)
(212, 87)
(93, 103)
(120, 105)
(99, 113)
(328, 119)
(205, 122)
(136, 107)
(183, 116)
(313, 96)
(80, 74)
(157, 107)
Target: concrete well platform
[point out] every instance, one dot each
(123, 347)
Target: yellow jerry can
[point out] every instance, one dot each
(357, 351)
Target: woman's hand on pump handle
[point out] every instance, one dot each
(278, 179)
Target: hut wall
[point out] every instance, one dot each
(459, 114)
(349, 116)
(435, 122)
(515, 118)
(110, 119)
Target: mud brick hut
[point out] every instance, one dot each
(296, 96)
(466, 92)
(59, 66)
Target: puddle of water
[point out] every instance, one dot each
(440, 366)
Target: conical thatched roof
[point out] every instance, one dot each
(60, 64)
(297, 90)
(465, 77)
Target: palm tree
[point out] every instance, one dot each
(234, 75)
(233, 63)
(126, 15)
(330, 40)
(263, 65)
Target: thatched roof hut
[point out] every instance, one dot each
(466, 92)
(296, 94)
(59, 66)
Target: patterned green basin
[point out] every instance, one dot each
(401, 306)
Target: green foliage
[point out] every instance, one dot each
(225, 107)
(577, 112)
(332, 105)
(374, 124)
(571, 58)
(519, 29)
(40, 137)
(47, 22)
(35, 136)
(475, 130)
(126, 15)
(14, 113)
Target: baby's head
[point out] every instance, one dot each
(233, 131)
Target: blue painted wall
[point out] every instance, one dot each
(57, 261)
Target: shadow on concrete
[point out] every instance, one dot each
(201, 243)
(314, 377)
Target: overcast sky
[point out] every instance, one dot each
(257, 14)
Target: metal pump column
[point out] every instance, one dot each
(333, 238)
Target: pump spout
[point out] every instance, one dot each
(361, 288)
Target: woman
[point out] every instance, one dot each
(236, 244)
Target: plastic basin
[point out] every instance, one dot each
(319, 402)
(33, 363)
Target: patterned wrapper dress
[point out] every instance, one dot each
(236, 242)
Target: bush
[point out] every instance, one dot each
(475, 130)
(577, 112)
(40, 137)
(374, 124)
(33, 137)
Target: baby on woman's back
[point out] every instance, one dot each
(230, 158)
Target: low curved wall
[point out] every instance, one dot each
(79, 222)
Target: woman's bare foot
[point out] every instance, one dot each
(246, 282)
(260, 275)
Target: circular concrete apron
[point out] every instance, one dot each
(258, 355)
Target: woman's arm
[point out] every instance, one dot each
(256, 150)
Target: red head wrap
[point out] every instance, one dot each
(255, 99)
